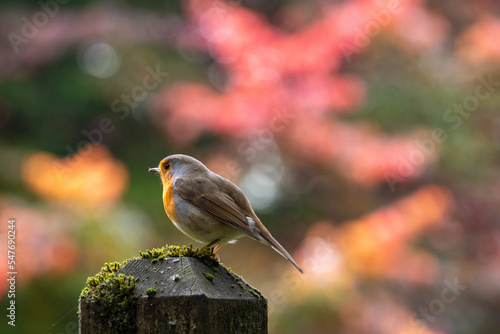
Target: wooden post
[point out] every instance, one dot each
(174, 295)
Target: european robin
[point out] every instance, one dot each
(209, 208)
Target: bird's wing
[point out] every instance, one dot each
(213, 202)
(223, 208)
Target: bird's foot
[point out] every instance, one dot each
(213, 243)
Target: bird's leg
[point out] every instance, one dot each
(213, 243)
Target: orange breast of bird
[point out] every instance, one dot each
(168, 198)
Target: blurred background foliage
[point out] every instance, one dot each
(365, 133)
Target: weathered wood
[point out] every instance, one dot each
(180, 295)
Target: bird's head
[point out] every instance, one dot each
(178, 165)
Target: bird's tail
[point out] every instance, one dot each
(282, 251)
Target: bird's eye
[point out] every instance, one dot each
(166, 165)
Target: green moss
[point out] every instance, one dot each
(150, 292)
(256, 293)
(209, 277)
(233, 275)
(243, 285)
(206, 255)
(112, 296)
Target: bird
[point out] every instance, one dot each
(208, 207)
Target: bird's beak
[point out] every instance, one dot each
(156, 170)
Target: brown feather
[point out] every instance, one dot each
(219, 205)
(231, 208)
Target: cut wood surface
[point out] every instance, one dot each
(180, 295)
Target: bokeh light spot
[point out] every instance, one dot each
(99, 59)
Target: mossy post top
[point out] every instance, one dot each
(171, 290)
